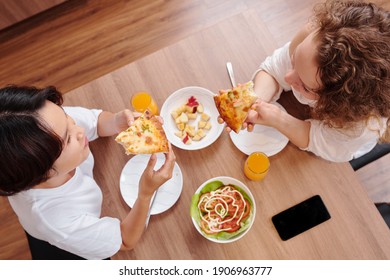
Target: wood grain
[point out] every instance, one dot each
(14, 11)
(82, 40)
(375, 178)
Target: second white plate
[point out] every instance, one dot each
(167, 194)
(262, 139)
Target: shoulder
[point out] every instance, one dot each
(81, 112)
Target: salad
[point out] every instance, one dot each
(222, 211)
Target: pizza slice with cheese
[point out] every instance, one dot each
(145, 136)
(233, 104)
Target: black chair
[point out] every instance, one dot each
(377, 152)
(384, 209)
(42, 250)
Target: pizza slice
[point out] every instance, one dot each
(233, 104)
(145, 136)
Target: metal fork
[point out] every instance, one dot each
(150, 208)
(229, 67)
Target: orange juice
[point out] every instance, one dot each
(142, 101)
(256, 166)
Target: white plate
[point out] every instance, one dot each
(262, 139)
(180, 97)
(228, 180)
(167, 194)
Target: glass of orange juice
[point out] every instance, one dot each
(142, 101)
(256, 166)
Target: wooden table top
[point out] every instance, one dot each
(355, 230)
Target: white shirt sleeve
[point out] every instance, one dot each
(86, 118)
(341, 145)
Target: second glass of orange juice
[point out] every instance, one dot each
(142, 101)
(256, 166)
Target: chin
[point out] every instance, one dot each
(85, 155)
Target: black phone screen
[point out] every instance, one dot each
(300, 217)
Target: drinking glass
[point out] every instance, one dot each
(256, 166)
(142, 101)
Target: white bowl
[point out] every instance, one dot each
(228, 180)
(180, 97)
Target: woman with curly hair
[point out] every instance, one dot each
(339, 65)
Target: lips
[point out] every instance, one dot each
(86, 142)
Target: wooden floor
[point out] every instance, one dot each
(79, 40)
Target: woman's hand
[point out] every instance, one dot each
(263, 113)
(245, 125)
(152, 179)
(297, 131)
(260, 113)
(123, 119)
(110, 124)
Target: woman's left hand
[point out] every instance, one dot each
(263, 113)
(124, 119)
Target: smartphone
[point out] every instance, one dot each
(300, 217)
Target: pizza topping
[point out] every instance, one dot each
(145, 127)
(222, 210)
(238, 103)
(233, 104)
(148, 140)
(186, 117)
(145, 136)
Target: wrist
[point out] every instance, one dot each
(145, 195)
(144, 199)
(276, 117)
(107, 124)
(296, 130)
(115, 125)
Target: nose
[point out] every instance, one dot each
(80, 133)
(292, 78)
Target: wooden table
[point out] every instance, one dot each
(356, 229)
(12, 12)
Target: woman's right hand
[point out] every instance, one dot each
(152, 179)
(261, 112)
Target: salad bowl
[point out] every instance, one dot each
(223, 209)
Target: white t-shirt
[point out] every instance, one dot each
(68, 216)
(338, 145)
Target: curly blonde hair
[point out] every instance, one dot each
(354, 62)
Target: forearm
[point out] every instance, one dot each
(106, 124)
(297, 131)
(265, 86)
(133, 224)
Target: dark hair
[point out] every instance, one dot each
(28, 147)
(354, 62)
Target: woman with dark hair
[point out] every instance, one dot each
(29, 148)
(46, 172)
(338, 65)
